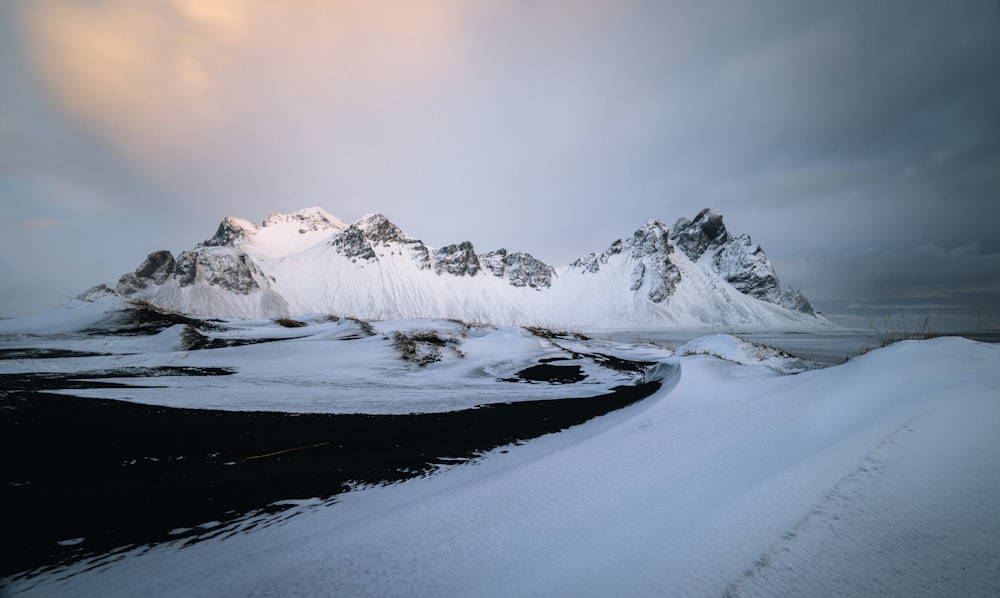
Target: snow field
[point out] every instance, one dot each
(325, 367)
(878, 475)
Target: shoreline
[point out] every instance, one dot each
(89, 476)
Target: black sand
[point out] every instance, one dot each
(118, 474)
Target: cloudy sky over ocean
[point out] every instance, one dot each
(858, 142)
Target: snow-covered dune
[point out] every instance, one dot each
(880, 475)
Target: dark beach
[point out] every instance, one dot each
(82, 477)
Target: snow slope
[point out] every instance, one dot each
(880, 475)
(311, 262)
(323, 367)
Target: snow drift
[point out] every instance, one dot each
(876, 476)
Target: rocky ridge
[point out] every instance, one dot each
(647, 266)
(737, 260)
(649, 249)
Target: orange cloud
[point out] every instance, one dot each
(166, 82)
(140, 74)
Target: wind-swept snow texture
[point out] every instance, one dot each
(322, 366)
(877, 476)
(696, 275)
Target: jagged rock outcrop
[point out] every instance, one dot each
(701, 235)
(459, 259)
(523, 269)
(221, 266)
(154, 270)
(378, 229)
(361, 239)
(352, 243)
(592, 261)
(229, 270)
(744, 265)
(230, 232)
(494, 262)
(307, 220)
(794, 299)
(519, 268)
(649, 248)
(737, 260)
(651, 244)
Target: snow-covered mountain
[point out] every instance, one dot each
(695, 274)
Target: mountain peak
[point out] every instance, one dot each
(360, 239)
(705, 233)
(519, 268)
(377, 227)
(230, 231)
(652, 238)
(308, 219)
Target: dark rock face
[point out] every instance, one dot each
(420, 255)
(521, 269)
(794, 299)
(235, 275)
(232, 271)
(363, 239)
(740, 262)
(352, 243)
(378, 229)
(229, 232)
(157, 266)
(359, 241)
(219, 266)
(187, 268)
(154, 270)
(493, 262)
(525, 270)
(458, 260)
(744, 265)
(663, 282)
(636, 277)
(705, 233)
(650, 249)
(591, 262)
(652, 241)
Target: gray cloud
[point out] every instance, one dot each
(847, 138)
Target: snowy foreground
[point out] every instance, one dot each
(877, 476)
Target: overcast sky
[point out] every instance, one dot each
(857, 141)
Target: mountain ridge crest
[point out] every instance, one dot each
(694, 273)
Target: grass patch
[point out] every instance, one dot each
(423, 348)
(893, 331)
(144, 318)
(366, 327)
(290, 323)
(549, 334)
